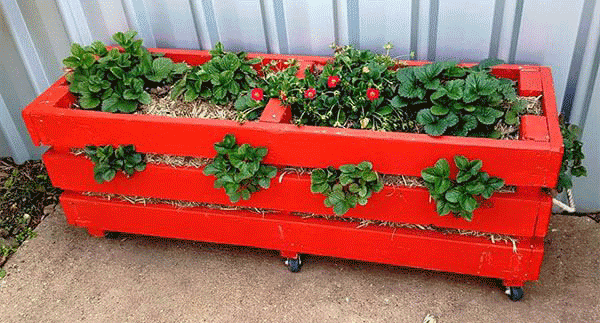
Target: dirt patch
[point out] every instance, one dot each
(25, 192)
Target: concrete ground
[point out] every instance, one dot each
(64, 275)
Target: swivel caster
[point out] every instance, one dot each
(111, 234)
(293, 265)
(514, 293)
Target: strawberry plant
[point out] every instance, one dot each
(459, 100)
(221, 80)
(352, 91)
(515, 110)
(459, 196)
(360, 89)
(572, 156)
(250, 105)
(117, 81)
(108, 161)
(238, 169)
(279, 80)
(347, 187)
(274, 83)
(357, 89)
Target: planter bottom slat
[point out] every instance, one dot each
(295, 235)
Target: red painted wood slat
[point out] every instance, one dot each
(511, 214)
(405, 247)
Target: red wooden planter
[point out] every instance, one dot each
(529, 164)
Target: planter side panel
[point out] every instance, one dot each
(427, 250)
(511, 214)
(312, 147)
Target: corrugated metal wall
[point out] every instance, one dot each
(35, 36)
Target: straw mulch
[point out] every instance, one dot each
(511, 132)
(163, 105)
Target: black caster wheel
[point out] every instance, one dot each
(293, 265)
(514, 293)
(111, 235)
